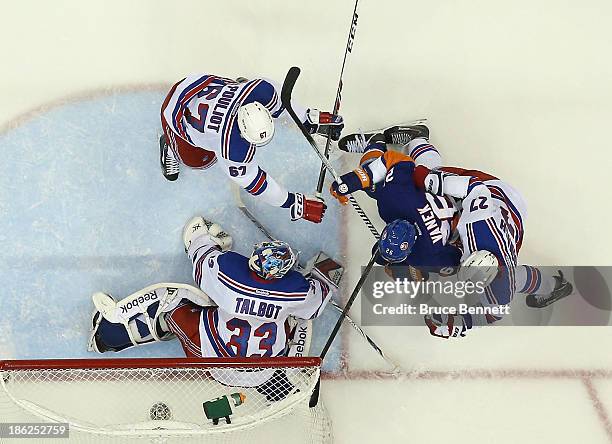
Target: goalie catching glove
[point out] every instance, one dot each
(322, 123)
(327, 271)
(304, 207)
(198, 226)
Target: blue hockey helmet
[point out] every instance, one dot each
(272, 259)
(397, 240)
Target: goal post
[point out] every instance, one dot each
(162, 400)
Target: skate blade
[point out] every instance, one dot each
(422, 121)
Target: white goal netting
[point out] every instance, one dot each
(161, 400)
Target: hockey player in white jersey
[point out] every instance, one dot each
(242, 307)
(207, 118)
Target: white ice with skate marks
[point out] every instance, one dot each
(86, 209)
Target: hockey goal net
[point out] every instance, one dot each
(161, 400)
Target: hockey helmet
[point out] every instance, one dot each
(397, 240)
(272, 260)
(480, 266)
(255, 123)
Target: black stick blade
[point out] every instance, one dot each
(288, 84)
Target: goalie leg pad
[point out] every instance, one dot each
(137, 319)
(111, 337)
(117, 336)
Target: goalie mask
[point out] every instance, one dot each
(397, 240)
(255, 123)
(272, 260)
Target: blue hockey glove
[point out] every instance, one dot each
(358, 179)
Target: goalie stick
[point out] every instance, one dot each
(288, 84)
(348, 49)
(353, 324)
(349, 304)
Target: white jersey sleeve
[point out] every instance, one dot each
(237, 155)
(255, 181)
(204, 253)
(317, 298)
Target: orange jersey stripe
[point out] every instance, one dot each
(392, 158)
(370, 155)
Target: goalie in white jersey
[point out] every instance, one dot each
(242, 310)
(207, 118)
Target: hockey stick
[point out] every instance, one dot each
(349, 303)
(349, 47)
(314, 397)
(288, 84)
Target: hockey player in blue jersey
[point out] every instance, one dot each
(387, 177)
(207, 119)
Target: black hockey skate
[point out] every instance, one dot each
(402, 135)
(562, 289)
(357, 143)
(169, 165)
(398, 134)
